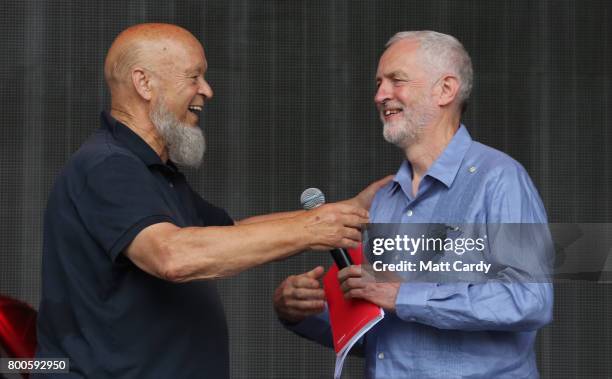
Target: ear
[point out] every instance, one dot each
(449, 88)
(141, 79)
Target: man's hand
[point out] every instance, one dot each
(356, 283)
(334, 225)
(365, 197)
(300, 296)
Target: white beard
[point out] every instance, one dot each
(185, 143)
(409, 129)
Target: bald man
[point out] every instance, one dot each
(126, 238)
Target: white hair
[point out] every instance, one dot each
(443, 53)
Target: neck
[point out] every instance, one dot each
(140, 124)
(427, 149)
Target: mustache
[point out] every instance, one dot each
(390, 105)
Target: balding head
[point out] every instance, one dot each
(145, 45)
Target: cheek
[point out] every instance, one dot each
(188, 95)
(405, 95)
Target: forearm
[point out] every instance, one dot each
(269, 217)
(183, 254)
(484, 306)
(216, 252)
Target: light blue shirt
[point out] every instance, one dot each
(457, 330)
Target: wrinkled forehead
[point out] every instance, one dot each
(180, 55)
(403, 55)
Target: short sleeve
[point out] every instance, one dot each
(120, 198)
(209, 214)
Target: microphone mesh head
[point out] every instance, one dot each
(312, 198)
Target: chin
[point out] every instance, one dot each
(392, 130)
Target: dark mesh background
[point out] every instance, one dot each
(294, 82)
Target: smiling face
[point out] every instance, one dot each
(155, 73)
(177, 98)
(181, 87)
(404, 93)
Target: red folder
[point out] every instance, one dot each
(350, 319)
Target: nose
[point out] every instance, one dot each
(205, 90)
(383, 93)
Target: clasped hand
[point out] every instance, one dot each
(300, 296)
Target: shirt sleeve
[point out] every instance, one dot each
(209, 214)
(315, 328)
(120, 198)
(511, 301)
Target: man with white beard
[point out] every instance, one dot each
(126, 238)
(483, 329)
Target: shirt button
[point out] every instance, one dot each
(381, 355)
(409, 213)
(171, 184)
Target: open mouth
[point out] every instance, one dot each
(388, 113)
(195, 109)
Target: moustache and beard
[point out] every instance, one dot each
(185, 143)
(409, 129)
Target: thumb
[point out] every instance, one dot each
(316, 272)
(381, 182)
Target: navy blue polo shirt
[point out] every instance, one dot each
(110, 318)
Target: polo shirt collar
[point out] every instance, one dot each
(445, 168)
(133, 142)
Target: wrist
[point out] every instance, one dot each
(304, 239)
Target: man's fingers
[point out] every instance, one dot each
(303, 281)
(300, 296)
(381, 182)
(316, 272)
(352, 284)
(353, 271)
(365, 197)
(370, 190)
(354, 221)
(351, 234)
(356, 293)
(359, 212)
(308, 294)
(307, 305)
(348, 209)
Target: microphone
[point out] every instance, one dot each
(312, 198)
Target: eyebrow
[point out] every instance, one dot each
(199, 69)
(399, 75)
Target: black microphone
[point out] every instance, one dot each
(312, 198)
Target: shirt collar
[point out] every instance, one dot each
(132, 141)
(445, 168)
